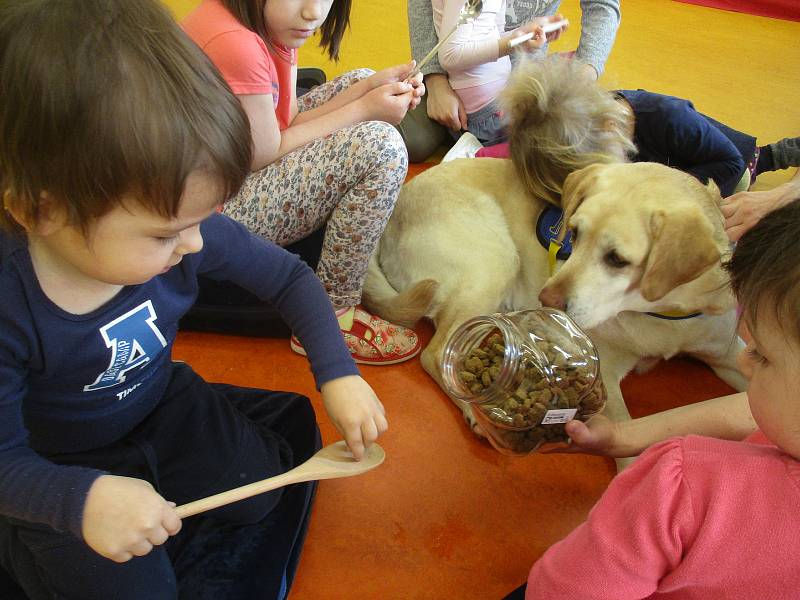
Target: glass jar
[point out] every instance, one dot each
(526, 374)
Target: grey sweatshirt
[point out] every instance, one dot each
(785, 153)
(599, 23)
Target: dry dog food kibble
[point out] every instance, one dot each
(522, 398)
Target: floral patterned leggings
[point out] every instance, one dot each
(348, 180)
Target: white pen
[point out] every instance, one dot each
(547, 28)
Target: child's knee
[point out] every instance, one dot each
(382, 143)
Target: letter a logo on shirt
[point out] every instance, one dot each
(134, 340)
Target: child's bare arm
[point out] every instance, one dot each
(726, 417)
(358, 89)
(388, 103)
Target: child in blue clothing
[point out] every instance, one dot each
(552, 109)
(670, 131)
(118, 143)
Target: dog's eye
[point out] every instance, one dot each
(615, 261)
(574, 235)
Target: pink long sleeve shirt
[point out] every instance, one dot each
(471, 56)
(693, 518)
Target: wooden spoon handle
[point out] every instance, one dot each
(240, 493)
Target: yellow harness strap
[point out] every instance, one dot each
(552, 254)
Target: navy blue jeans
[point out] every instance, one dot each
(202, 439)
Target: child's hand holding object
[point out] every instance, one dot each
(125, 517)
(355, 411)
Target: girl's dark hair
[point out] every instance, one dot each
(250, 13)
(107, 98)
(765, 268)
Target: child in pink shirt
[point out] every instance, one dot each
(330, 158)
(708, 516)
(476, 58)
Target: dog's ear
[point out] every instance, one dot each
(576, 187)
(682, 249)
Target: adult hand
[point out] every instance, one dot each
(444, 105)
(125, 517)
(355, 411)
(745, 209)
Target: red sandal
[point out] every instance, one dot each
(375, 341)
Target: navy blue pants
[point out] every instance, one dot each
(202, 439)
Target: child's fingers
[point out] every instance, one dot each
(141, 548)
(121, 557)
(356, 448)
(584, 437)
(399, 88)
(462, 116)
(369, 432)
(354, 440)
(170, 521)
(381, 422)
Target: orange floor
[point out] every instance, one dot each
(446, 516)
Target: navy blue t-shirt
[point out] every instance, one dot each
(76, 382)
(670, 131)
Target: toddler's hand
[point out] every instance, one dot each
(125, 517)
(389, 102)
(355, 411)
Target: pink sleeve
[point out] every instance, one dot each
(473, 43)
(634, 536)
(242, 58)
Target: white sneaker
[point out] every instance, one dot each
(466, 147)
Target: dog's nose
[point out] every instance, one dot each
(549, 296)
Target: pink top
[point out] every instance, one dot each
(242, 57)
(693, 518)
(471, 55)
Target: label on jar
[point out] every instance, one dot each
(559, 415)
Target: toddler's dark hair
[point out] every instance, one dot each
(765, 268)
(106, 98)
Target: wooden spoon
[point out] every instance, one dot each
(330, 462)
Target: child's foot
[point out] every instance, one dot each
(372, 340)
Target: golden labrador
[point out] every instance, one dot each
(650, 239)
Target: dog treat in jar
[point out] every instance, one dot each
(526, 374)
